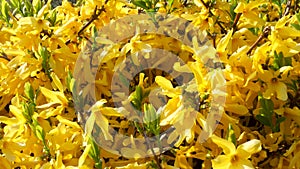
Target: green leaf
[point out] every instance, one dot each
(29, 91)
(277, 126)
(298, 17)
(231, 135)
(264, 120)
(45, 55)
(139, 93)
(280, 61)
(37, 7)
(4, 10)
(170, 3)
(141, 4)
(28, 10)
(267, 105)
(25, 112)
(70, 82)
(94, 153)
(296, 26)
(40, 133)
(150, 113)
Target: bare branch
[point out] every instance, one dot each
(236, 20)
(264, 34)
(4, 56)
(96, 14)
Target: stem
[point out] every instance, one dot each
(236, 20)
(141, 130)
(264, 34)
(47, 149)
(223, 30)
(96, 14)
(151, 148)
(288, 8)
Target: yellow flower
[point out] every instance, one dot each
(235, 157)
(4, 163)
(135, 46)
(275, 84)
(250, 13)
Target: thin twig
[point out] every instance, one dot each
(236, 20)
(151, 148)
(223, 30)
(96, 14)
(288, 8)
(4, 56)
(264, 34)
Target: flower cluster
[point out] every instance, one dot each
(43, 117)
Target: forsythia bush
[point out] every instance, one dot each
(44, 122)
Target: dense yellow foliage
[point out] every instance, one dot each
(47, 121)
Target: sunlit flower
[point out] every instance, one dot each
(275, 84)
(235, 157)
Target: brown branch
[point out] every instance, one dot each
(288, 8)
(264, 34)
(236, 20)
(4, 56)
(96, 14)
(223, 30)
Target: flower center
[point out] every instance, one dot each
(274, 80)
(234, 158)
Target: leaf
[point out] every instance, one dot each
(70, 82)
(29, 91)
(296, 26)
(140, 4)
(264, 120)
(4, 10)
(170, 3)
(267, 105)
(231, 135)
(40, 133)
(277, 125)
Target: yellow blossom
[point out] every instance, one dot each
(235, 157)
(275, 85)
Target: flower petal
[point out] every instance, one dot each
(221, 162)
(245, 150)
(281, 91)
(227, 146)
